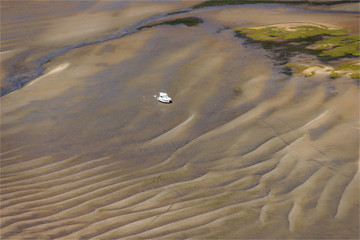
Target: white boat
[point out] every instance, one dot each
(164, 98)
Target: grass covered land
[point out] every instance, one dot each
(318, 39)
(212, 3)
(188, 21)
(324, 40)
(290, 31)
(337, 46)
(351, 69)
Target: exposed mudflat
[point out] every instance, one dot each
(243, 152)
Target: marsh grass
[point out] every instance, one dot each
(334, 74)
(353, 66)
(282, 51)
(188, 21)
(281, 34)
(355, 75)
(339, 46)
(213, 3)
(297, 67)
(351, 69)
(325, 42)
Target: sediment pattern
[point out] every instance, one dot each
(243, 151)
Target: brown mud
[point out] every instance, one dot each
(243, 152)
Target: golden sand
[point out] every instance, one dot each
(243, 152)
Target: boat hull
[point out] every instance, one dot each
(164, 100)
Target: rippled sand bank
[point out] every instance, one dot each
(243, 151)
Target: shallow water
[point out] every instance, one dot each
(243, 151)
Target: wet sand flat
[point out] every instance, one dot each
(244, 151)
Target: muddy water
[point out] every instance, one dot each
(243, 151)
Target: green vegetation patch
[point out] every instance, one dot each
(334, 74)
(338, 46)
(321, 40)
(355, 75)
(352, 66)
(289, 31)
(298, 68)
(213, 3)
(351, 69)
(188, 21)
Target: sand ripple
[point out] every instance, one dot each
(242, 152)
